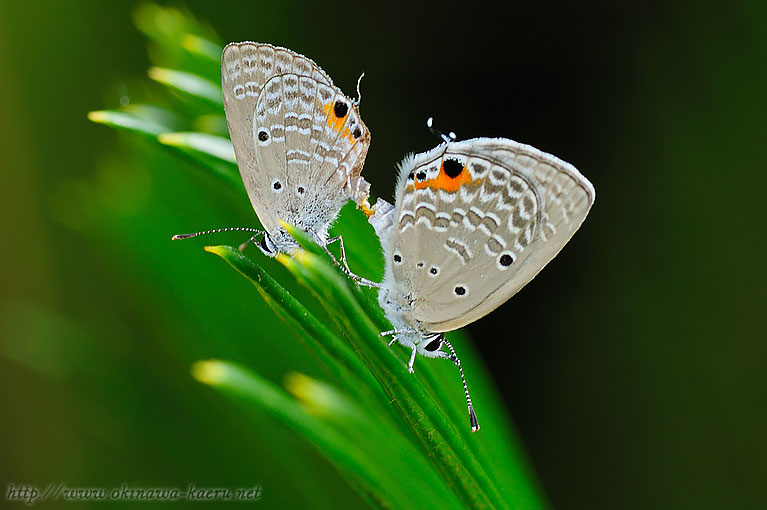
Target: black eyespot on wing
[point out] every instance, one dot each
(277, 185)
(460, 291)
(506, 260)
(340, 109)
(301, 190)
(434, 345)
(263, 136)
(397, 258)
(433, 270)
(421, 175)
(410, 175)
(420, 264)
(357, 133)
(452, 167)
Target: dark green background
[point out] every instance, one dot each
(633, 366)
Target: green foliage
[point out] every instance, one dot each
(398, 440)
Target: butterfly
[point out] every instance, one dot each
(299, 142)
(472, 223)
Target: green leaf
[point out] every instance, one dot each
(202, 47)
(128, 120)
(438, 436)
(189, 84)
(328, 344)
(363, 474)
(203, 143)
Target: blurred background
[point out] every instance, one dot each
(633, 366)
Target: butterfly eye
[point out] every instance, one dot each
(434, 345)
(267, 246)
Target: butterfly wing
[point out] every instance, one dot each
(299, 141)
(474, 222)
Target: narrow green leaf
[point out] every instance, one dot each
(439, 438)
(202, 47)
(209, 150)
(169, 30)
(188, 83)
(369, 432)
(351, 463)
(332, 346)
(124, 119)
(216, 146)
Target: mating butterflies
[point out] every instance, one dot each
(473, 222)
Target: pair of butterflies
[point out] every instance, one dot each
(472, 221)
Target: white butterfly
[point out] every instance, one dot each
(299, 142)
(473, 222)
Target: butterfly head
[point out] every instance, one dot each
(278, 241)
(267, 246)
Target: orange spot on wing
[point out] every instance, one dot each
(338, 123)
(445, 182)
(452, 184)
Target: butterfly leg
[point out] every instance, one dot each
(246, 243)
(345, 268)
(394, 332)
(412, 360)
(405, 342)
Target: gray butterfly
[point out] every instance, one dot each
(299, 142)
(473, 222)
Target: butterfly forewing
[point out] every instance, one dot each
(299, 159)
(475, 221)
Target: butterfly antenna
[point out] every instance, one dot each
(447, 138)
(359, 94)
(188, 236)
(472, 414)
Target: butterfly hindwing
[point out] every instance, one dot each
(300, 160)
(474, 222)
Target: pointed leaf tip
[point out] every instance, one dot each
(219, 250)
(97, 116)
(210, 372)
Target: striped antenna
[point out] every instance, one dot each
(447, 138)
(472, 414)
(188, 236)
